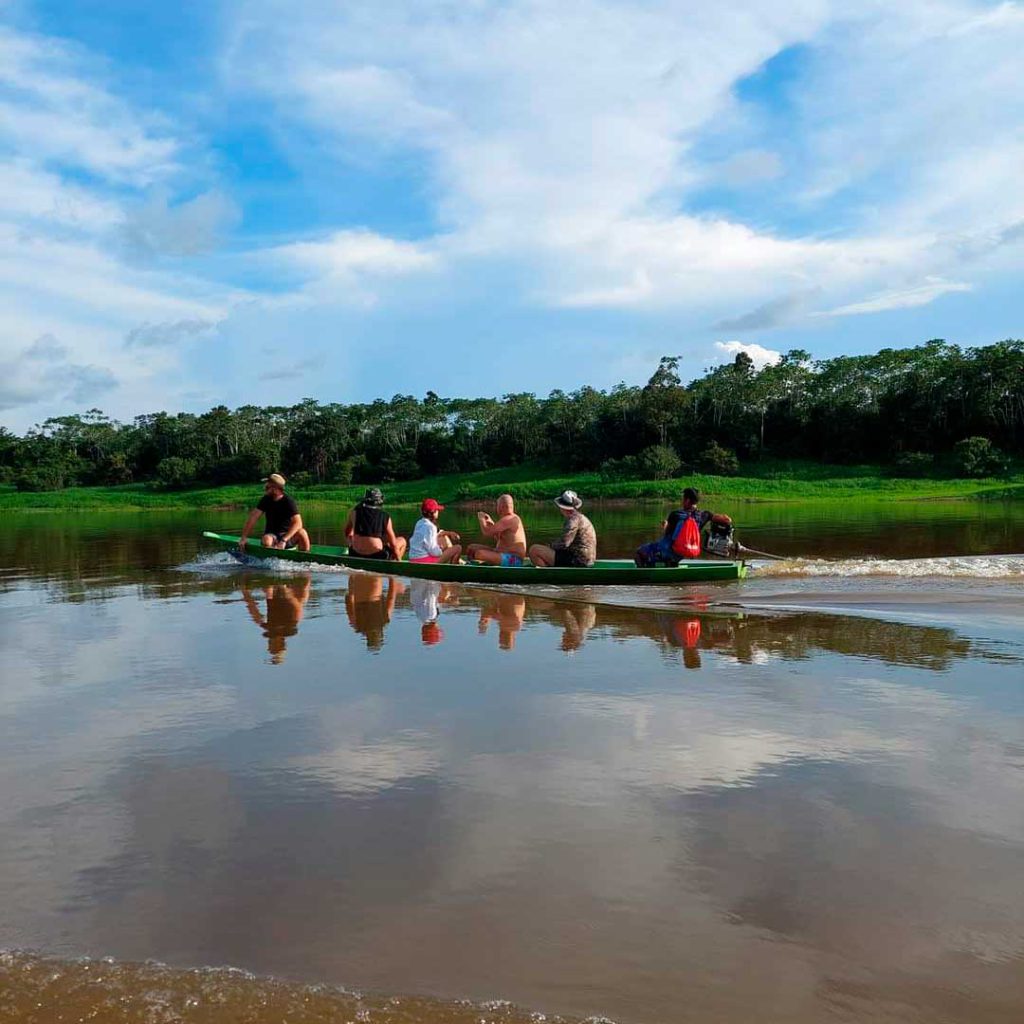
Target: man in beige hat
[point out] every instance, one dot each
(284, 527)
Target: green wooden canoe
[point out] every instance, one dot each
(605, 571)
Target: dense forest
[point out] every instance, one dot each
(932, 409)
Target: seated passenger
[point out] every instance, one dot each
(681, 534)
(509, 548)
(577, 547)
(368, 529)
(427, 543)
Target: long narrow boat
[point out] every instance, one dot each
(603, 572)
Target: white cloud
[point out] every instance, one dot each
(55, 113)
(760, 356)
(904, 298)
(78, 166)
(562, 135)
(356, 252)
(158, 227)
(43, 369)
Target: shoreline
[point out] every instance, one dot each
(810, 484)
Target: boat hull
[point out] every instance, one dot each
(604, 572)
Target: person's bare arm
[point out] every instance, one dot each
(253, 607)
(495, 529)
(389, 533)
(294, 525)
(254, 515)
(350, 525)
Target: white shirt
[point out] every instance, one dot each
(423, 542)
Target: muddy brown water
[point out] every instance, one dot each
(262, 793)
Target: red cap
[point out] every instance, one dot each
(431, 505)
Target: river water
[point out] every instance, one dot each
(266, 793)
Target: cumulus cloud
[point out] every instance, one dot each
(53, 111)
(166, 335)
(356, 252)
(750, 166)
(759, 355)
(159, 228)
(43, 369)
(773, 313)
(294, 369)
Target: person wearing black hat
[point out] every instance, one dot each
(577, 547)
(284, 527)
(369, 532)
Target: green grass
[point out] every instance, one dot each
(767, 481)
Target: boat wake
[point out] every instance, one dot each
(969, 567)
(223, 561)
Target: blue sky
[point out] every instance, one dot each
(225, 202)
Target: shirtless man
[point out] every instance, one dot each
(509, 548)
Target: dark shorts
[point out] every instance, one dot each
(384, 555)
(565, 560)
(658, 552)
(291, 544)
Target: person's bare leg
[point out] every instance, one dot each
(451, 554)
(542, 556)
(444, 544)
(486, 555)
(302, 540)
(269, 540)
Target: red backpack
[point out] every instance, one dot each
(686, 538)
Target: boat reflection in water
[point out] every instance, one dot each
(285, 602)
(442, 612)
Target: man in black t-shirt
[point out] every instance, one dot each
(283, 527)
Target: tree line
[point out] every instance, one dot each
(930, 409)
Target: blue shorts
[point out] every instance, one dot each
(658, 552)
(510, 561)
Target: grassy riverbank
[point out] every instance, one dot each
(794, 481)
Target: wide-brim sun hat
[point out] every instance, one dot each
(569, 500)
(373, 496)
(276, 479)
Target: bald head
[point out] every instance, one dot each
(505, 505)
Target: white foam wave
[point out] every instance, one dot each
(970, 566)
(223, 561)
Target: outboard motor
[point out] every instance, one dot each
(720, 541)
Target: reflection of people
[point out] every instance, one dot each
(425, 596)
(285, 604)
(369, 608)
(578, 620)
(284, 527)
(428, 543)
(680, 534)
(685, 633)
(577, 547)
(369, 532)
(509, 610)
(508, 533)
